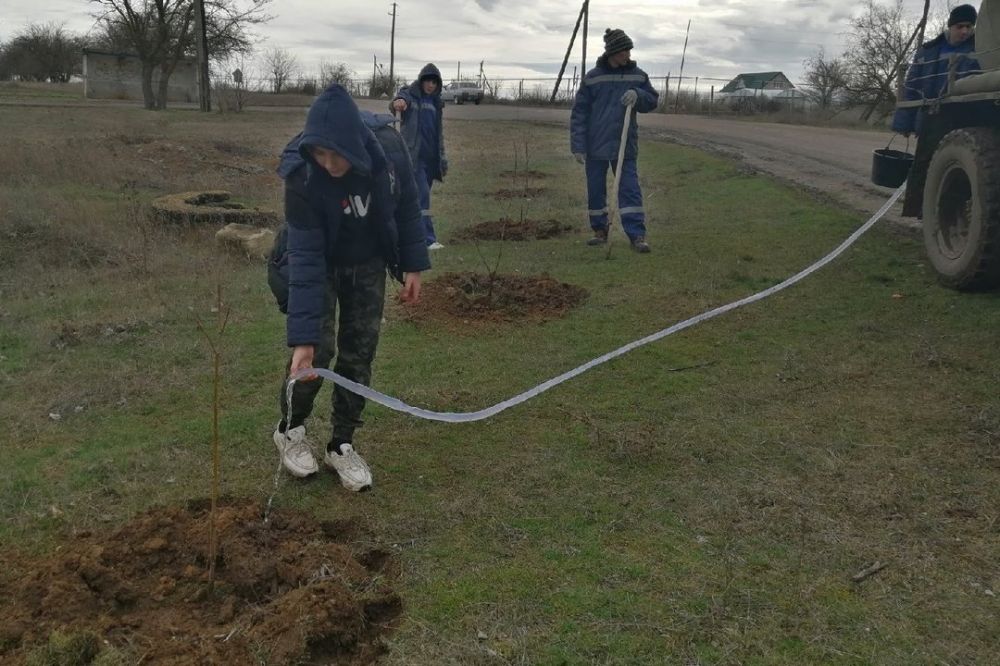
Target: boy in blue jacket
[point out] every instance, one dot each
(616, 84)
(422, 113)
(350, 217)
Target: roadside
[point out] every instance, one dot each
(833, 163)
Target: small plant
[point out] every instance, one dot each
(214, 344)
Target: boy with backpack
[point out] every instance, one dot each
(351, 212)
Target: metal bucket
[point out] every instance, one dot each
(890, 167)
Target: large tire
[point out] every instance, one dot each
(962, 209)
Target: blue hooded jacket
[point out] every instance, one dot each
(369, 203)
(928, 76)
(410, 126)
(597, 116)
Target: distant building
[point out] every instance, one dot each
(119, 76)
(753, 84)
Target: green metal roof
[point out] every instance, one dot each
(752, 80)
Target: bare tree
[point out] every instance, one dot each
(826, 78)
(280, 66)
(42, 52)
(161, 33)
(879, 40)
(335, 73)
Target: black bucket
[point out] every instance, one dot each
(890, 167)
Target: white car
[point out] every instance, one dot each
(462, 91)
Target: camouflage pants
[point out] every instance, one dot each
(358, 292)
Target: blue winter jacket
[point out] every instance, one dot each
(409, 126)
(928, 77)
(598, 114)
(317, 206)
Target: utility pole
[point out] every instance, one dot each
(579, 19)
(392, 49)
(481, 73)
(459, 76)
(680, 77)
(374, 74)
(201, 39)
(586, 22)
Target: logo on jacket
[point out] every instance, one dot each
(356, 206)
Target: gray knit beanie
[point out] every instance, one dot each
(616, 41)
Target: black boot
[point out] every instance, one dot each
(640, 245)
(600, 237)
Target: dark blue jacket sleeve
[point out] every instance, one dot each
(578, 121)
(412, 243)
(648, 97)
(306, 266)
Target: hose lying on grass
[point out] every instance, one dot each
(465, 417)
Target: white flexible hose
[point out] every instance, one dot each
(465, 417)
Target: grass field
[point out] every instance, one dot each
(703, 500)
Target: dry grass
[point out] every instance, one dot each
(703, 500)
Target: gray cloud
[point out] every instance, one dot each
(524, 38)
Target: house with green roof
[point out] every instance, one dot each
(757, 83)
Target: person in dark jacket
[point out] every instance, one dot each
(422, 126)
(928, 75)
(350, 216)
(925, 80)
(615, 86)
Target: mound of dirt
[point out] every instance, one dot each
(212, 207)
(515, 230)
(470, 298)
(289, 591)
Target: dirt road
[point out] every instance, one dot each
(833, 162)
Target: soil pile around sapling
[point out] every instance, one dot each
(530, 174)
(515, 230)
(289, 591)
(471, 298)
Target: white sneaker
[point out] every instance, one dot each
(296, 453)
(352, 468)
(435, 246)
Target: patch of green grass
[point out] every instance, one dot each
(705, 499)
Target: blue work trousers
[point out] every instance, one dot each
(424, 183)
(629, 197)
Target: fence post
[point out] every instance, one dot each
(711, 101)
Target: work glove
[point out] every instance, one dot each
(629, 98)
(580, 158)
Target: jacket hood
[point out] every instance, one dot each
(430, 71)
(334, 123)
(292, 156)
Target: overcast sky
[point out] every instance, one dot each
(528, 38)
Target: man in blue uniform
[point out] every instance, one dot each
(615, 86)
(421, 125)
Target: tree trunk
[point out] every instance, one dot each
(161, 98)
(148, 97)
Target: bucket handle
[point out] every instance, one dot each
(893, 138)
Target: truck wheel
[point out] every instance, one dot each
(962, 209)
(478, 100)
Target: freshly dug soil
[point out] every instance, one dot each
(210, 207)
(289, 591)
(470, 298)
(515, 230)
